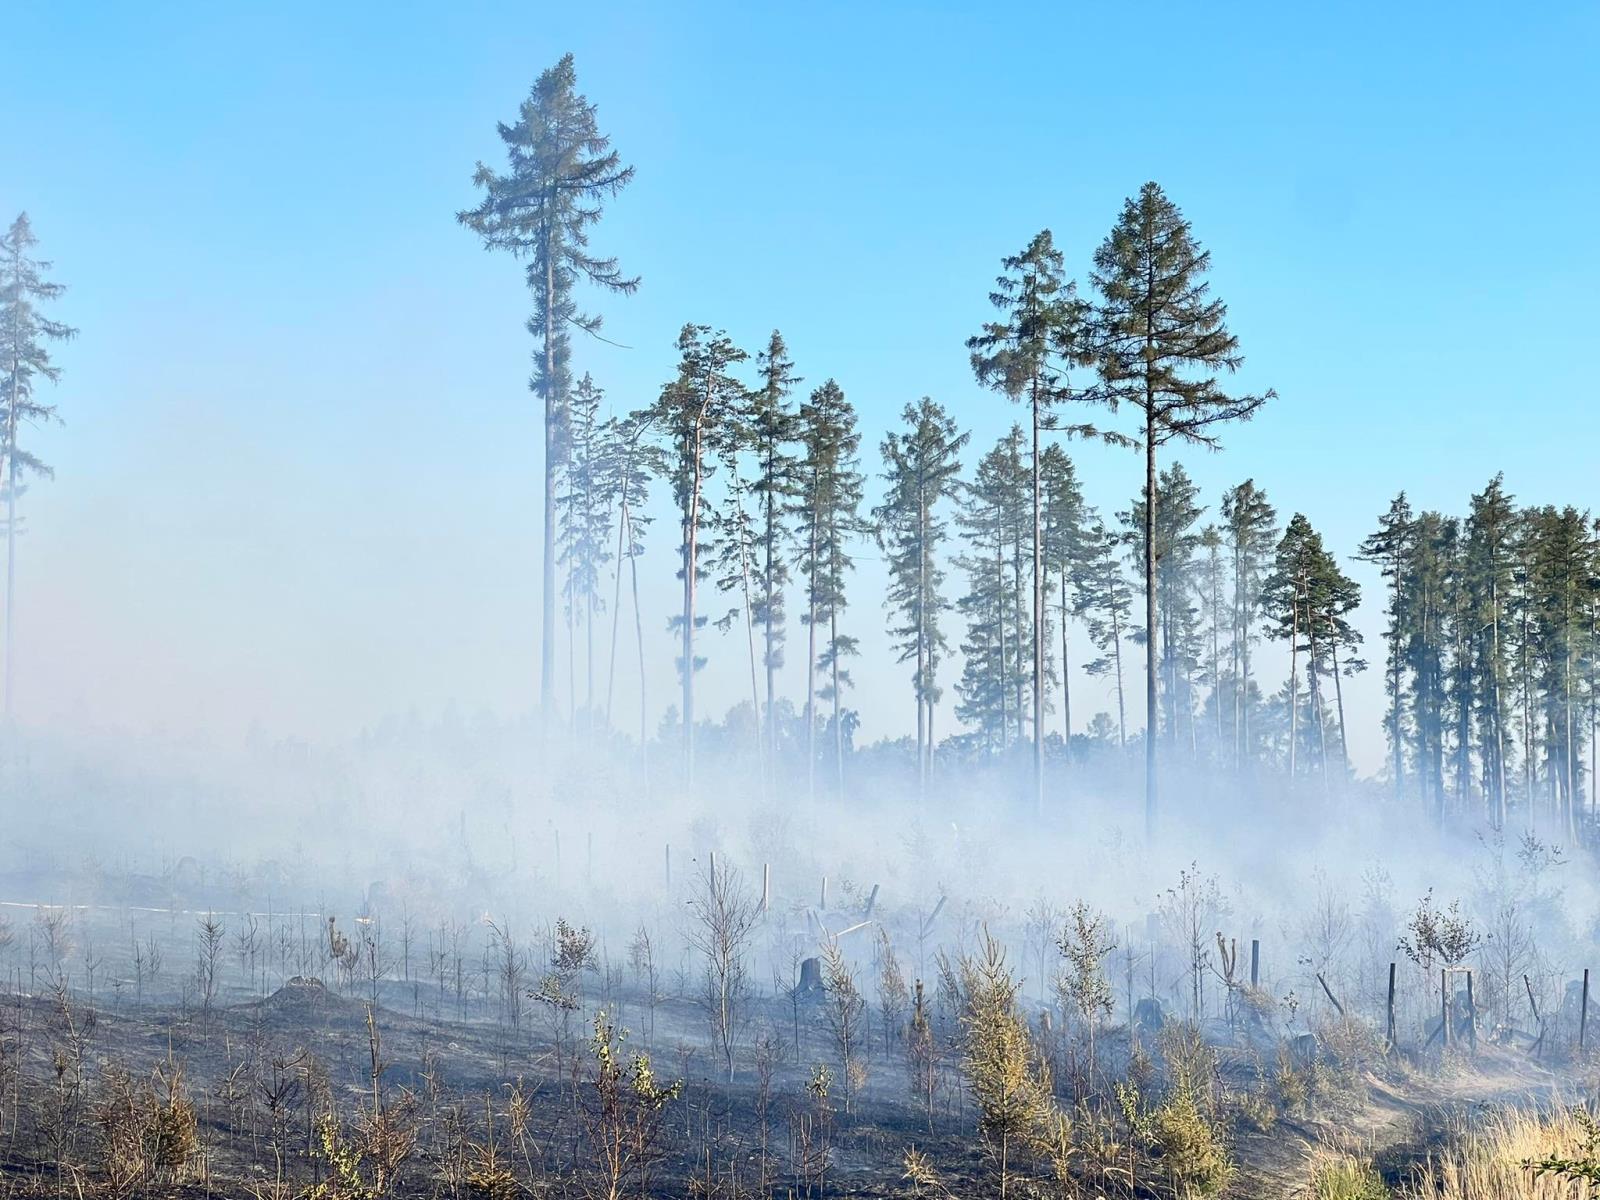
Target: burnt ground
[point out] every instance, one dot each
(448, 1070)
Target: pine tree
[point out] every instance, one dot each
(1389, 547)
(695, 415)
(561, 170)
(774, 430)
(1027, 355)
(1252, 537)
(25, 337)
(1490, 565)
(734, 548)
(1066, 543)
(996, 522)
(921, 466)
(1105, 603)
(1178, 511)
(631, 461)
(828, 524)
(584, 526)
(1163, 339)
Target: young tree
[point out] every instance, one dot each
(561, 169)
(1163, 340)
(722, 918)
(921, 466)
(829, 521)
(695, 415)
(25, 337)
(774, 429)
(1027, 355)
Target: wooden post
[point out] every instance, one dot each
(824, 905)
(766, 886)
(1472, 1015)
(1255, 963)
(1391, 1006)
(1583, 1013)
(872, 899)
(1444, 1006)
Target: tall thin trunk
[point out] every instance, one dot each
(1150, 781)
(838, 714)
(1338, 693)
(922, 688)
(1066, 678)
(552, 422)
(811, 668)
(638, 630)
(1038, 623)
(1294, 682)
(769, 546)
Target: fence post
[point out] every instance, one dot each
(1583, 1013)
(1255, 963)
(1391, 1007)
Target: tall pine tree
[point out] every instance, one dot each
(1163, 340)
(560, 171)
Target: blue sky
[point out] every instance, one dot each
(298, 482)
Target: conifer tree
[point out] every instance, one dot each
(1027, 355)
(1105, 602)
(696, 415)
(25, 337)
(584, 526)
(1066, 542)
(774, 429)
(560, 171)
(996, 520)
(1489, 568)
(631, 461)
(1163, 341)
(1389, 547)
(828, 524)
(1252, 537)
(921, 466)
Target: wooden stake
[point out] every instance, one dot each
(1255, 963)
(1444, 1006)
(824, 905)
(1391, 1007)
(766, 886)
(872, 899)
(1583, 1013)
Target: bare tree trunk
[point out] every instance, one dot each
(1038, 624)
(552, 423)
(638, 629)
(1151, 791)
(811, 670)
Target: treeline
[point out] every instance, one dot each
(767, 482)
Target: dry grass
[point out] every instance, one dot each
(1487, 1161)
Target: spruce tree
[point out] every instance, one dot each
(695, 415)
(25, 337)
(828, 525)
(921, 468)
(1027, 355)
(1162, 342)
(560, 171)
